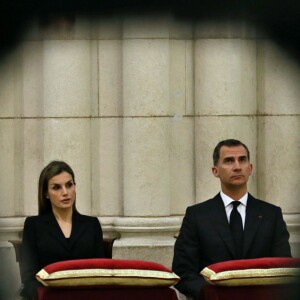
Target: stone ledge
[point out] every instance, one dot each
(159, 228)
(132, 228)
(293, 222)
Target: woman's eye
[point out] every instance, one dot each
(69, 184)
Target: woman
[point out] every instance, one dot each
(59, 232)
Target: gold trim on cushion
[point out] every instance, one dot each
(107, 281)
(100, 277)
(252, 276)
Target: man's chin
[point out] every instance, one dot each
(236, 184)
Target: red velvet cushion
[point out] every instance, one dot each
(259, 271)
(106, 272)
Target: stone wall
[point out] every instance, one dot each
(136, 105)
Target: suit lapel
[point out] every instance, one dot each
(221, 223)
(252, 223)
(54, 230)
(78, 228)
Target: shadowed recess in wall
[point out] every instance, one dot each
(280, 19)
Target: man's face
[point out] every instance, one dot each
(233, 167)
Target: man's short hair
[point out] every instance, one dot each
(227, 143)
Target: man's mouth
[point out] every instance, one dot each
(236, 176)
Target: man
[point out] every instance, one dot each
(206, 236)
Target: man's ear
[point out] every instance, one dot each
(250, 168)
(215, 172)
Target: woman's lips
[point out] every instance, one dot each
(66, 200)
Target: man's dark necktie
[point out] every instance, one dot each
(236, 227)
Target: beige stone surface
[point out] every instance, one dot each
(225, 77)
(145, 77)
(146, 167)
(94, 79)
(9, 86)
(32, 155)
(182, 163)
(293, 222)
(68, 93)
(178, 77)
(32, 83)
(278, 146)
(162, 255)
(107, 166)
(8, 172)
(181, 77)
(278, 81)
(110, 78)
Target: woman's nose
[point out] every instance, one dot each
(64, 190)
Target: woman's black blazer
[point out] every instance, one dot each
(43, 243)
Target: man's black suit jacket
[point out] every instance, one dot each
(43, 243)
(205, 238)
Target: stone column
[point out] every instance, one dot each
(278, 134)
(146, 226)
(11, 135)
(107, 125)
(182, 150)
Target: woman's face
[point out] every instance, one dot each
(61, 191)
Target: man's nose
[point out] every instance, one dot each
(237, 165)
